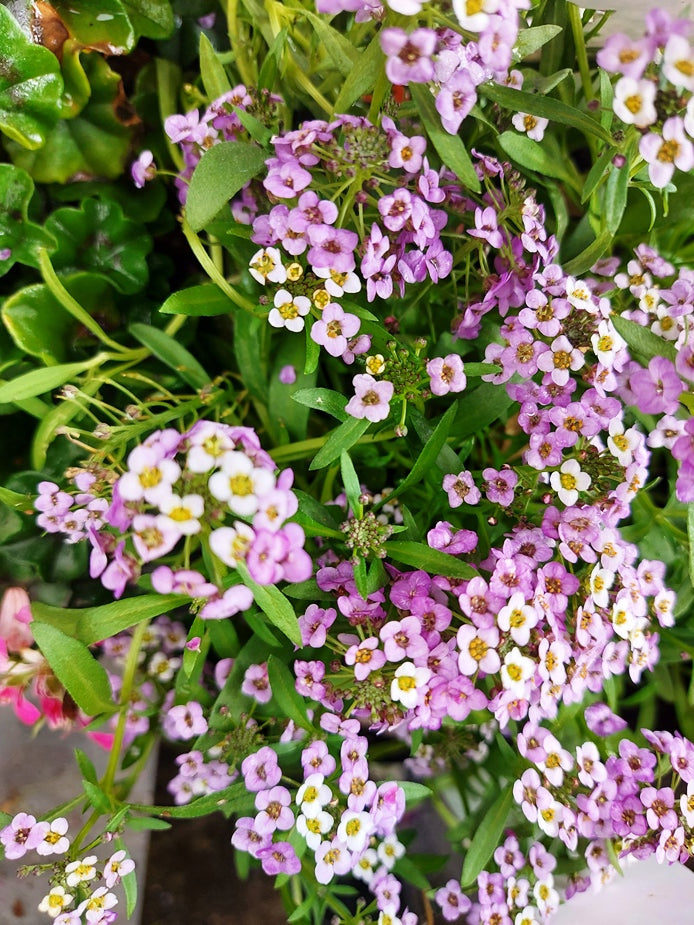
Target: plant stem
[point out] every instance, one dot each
(209, 267)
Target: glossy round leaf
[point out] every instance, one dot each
(20, 239)
(100, 25)
(99, 238)
(30, 86)
(93, 144)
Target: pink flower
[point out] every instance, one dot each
(15, 617)
(334, 329)
(446, 374)
(664, 154)
(461, 488)
(372, 398)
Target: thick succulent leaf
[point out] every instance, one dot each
(99, 238)
(20, 239)
(93, 144)
(98, 25)
(30, 86)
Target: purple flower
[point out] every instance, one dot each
(22, 834)
(279, 858)
(409, 56)
(602, 721)
(499, 485)
(331, 248)
(143, 169)
(372, 398)
(261, 770)
(461, 488)
(452, 901)
(286, 179)
(185, 721)
(446, 374)
(658, 388)
(334, 328)
(455, 99)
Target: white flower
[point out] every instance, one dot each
(148, 476)
(389, 851)
(634, 101)
(117, 866)
(54, 903)
(516, 671)
(365, 867)
(313, 795)
(240, 483)
(533, 126)
(607, 343)
(336, 284)
(313, 828)
(266, 266)
(182, 513)
(55, 841)
(517, 618)
(81, 871)
(678, 62)
(231, 544)
(354, 829)
(289, 311)
(474, 14)
(407, 684)
(569, 481)
(601, 580)
(622, 443)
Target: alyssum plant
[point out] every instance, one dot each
(358, 459)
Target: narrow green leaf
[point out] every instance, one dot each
(274, 605)
(221, 172)
(487, 837)
(143, 824)
(151, 18)
(361, 577)
(350, 481)
(450, 148)
(96, 796)
(234, 798)
(93, 624)
(363, 75)
(172, 354)
(129, 882)
(261, 629)
(532, 39)
(39, 381)
(643, 341)
(585, 260)
(76, 668)
(86, 766)
(406, 869)
(332, 403)
(615, 199)
(482, 406)
(312, 354)
(339, 50)
(547, 108)
(596, 174)
(431, 560)
(690, 530)
(535, 156)
(432, 448)
(214, 77)
(284, 692)
(414, 792)
(316, 512)
(198, 301)
(342, 438)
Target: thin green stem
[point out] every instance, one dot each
(236, 42)
(210, 268)
(125, 692)
(303, 448)
(71, 305)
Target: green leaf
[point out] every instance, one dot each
(21, 237)
(450, 148)
(431, 560)
(427, 458)
(532, 39)
(99, 25)
(96, 796)
(274, 605)
(585, 260)
(248, 338)
(30, 86)
(221, 172)
(76, 668)
(642, 341)
(233, 799)
(312, 354)
(129, 882)
(615, 198)
(172, 354)
(414, 792)
(261, 629)
(482, 406)
(214, 77)
(332, 403)
(363, 75)
(316, 511)
(361, 577)
(342, 438)
(351, 484)
(58, 416)
(94, 624)
(289, 420)
(545, 158)
(339, 51)
(487, 837)
(86, 766)
(152, 18)
(198, 301)
(284, 692)
(41, 327)
(39, 381)
(93, 144)
(597, 173)
(14, 499)
(690, 532)
(143, 824)
(406, 869)
(98, 237)
(547, 108)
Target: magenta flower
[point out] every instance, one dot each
(372, 398)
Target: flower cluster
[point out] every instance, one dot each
(655, 86)
(72, 882)
(213, 476)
